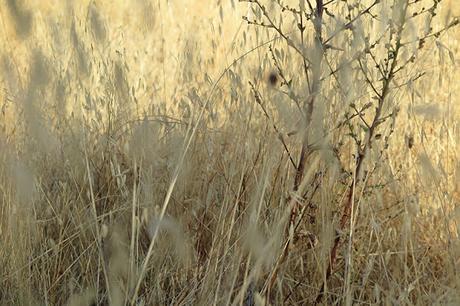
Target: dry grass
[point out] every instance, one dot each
(149, 155)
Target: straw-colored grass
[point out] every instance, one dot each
(206, 153)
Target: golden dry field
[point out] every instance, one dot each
(225, 152)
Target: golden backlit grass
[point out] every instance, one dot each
(137, 166)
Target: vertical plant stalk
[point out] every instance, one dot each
(304, 153)
(134, 231)
(309, 106)
(362, 153)
(98, 237)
